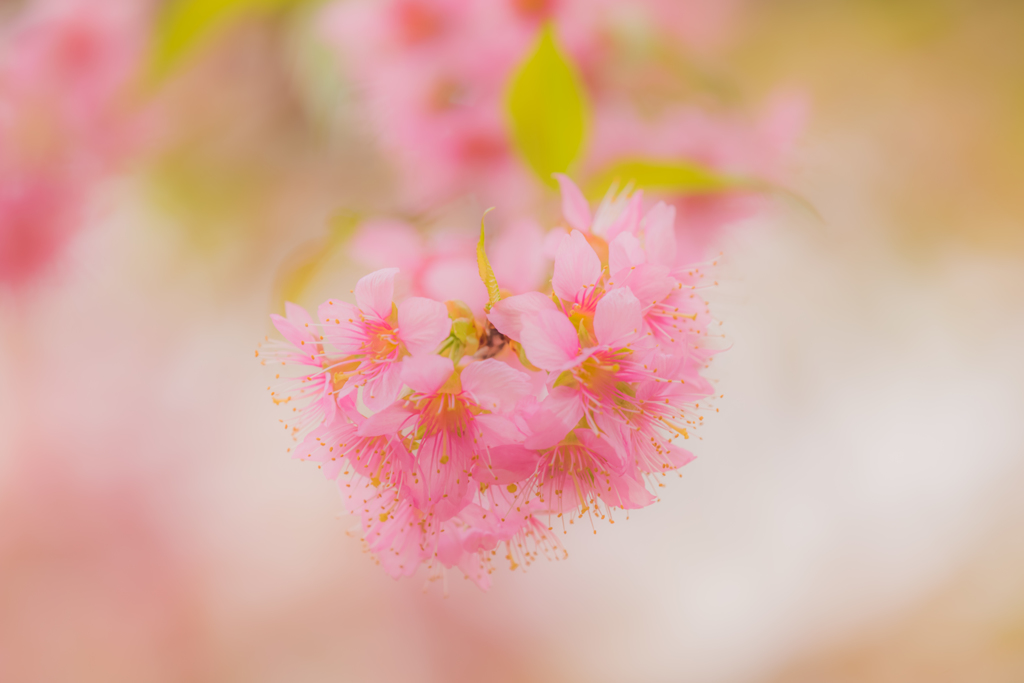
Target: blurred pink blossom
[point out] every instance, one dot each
(65, 66)
(726, 143)
(443, 266)
(433, 74)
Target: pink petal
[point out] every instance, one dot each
(297, 315)
(482, 530)
(575, 208)
(659, 226)
(426, 374)
(610, 210)
(628, 220)
(347, 406)
(455, 278)
(507, 314)
(317, 446)
(342, 325)
(624, 252)
(494, 385)
(618, 318)
(385, 423)
(558, 414)
(300, 337)
(508, 464)
(388, 242)
(498, 430)
(396, 541)
(518, 257)
(328, 401)
(552, 241)
(576, 266)
(449, 549)
(550, 340)
(613, 455)
(443, 488)
(614, 434)
(649, 283)
(422, 324)
(382, 390)
(677, 456)
(376, 291)
(627, 493)
(472, 569)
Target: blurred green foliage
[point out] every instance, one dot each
(185, 24)
(548, 109)
(673, 177)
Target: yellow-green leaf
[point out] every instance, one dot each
(486, 272)
(185, 24)
(547, 108)
(462, 329)
(676, 177)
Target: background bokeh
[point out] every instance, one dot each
(854, 514)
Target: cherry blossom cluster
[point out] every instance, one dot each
(460, 438)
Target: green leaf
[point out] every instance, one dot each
(183, 25)
(462, 329)
(676, 177)
(547, 108)
(486, 272)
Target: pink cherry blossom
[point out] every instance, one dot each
(37, 217)
(642, 256)
(585, 471)
(449, 422)
(375, 334)
(313, 389)
(353, 347)
(444, 266)
(401, 537)
(454, 430)
(592, 385)
(337, 445)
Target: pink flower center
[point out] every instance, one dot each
(599, 375)
(341, 372)
(482, 148)
(382, 343)
(78, 50)
(447, 93)
(417, 23)
(447, 415)
(534, 10)
(571, 469)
